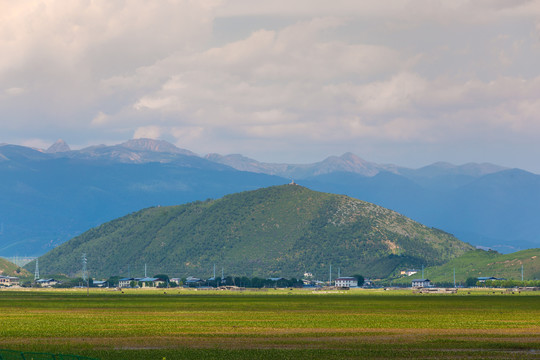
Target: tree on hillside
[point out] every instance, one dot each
(470, 282)
(360, 279)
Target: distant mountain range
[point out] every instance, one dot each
(276, 231)
(49, 196)
(350, 163)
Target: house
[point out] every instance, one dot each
(47, 282)
(409, 272)
(126, 282)
(313, 283)
(175, 280)
(150, 282)
(100, 283)
(346, 282)
(9, 280)
(421, 283)
(193, 281)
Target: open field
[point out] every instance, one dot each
(273, 324)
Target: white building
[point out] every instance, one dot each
(346, 281)
(409, 272)
(46, 282)
(421, 283)
(9, 280)
(126, 282)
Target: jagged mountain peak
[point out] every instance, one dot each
(349, 156)
(59, 146)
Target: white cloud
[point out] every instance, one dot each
(14, 91)
(336, 74)
(100, 119)
(148, 132)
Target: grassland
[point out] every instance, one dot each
(273, 324)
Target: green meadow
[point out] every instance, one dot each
(272, 324)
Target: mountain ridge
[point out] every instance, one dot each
(66, 193)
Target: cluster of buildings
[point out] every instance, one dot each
(340, 282)
(142, 282)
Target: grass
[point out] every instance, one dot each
(284, 324)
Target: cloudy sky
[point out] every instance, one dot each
(405, 82)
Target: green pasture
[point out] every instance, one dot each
(272, 324)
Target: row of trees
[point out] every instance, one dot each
(501, 283)
(243, 281)
(255, 282)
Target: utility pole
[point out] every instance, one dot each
(454, 277)
(214, 272)
(85, 274)
(36, 274)
(521, 272)
(423, 272)
(84, 270)
(145, 270)
(330, 276)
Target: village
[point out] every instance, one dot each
(240, 283)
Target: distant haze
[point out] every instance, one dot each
(404, 82)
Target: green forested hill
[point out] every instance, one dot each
(486, 263)
(7, 268)
(276, 231)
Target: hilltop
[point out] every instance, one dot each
(281, 230)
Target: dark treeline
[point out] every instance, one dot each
(243, 281)
(255, 282)
(502, 283)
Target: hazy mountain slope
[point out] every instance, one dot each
(7, 268)
(282, 230)
(502, 206)
(498, 210)
(351, 163)
(346, 163)
(47, 202)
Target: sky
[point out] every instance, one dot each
(398, 81)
